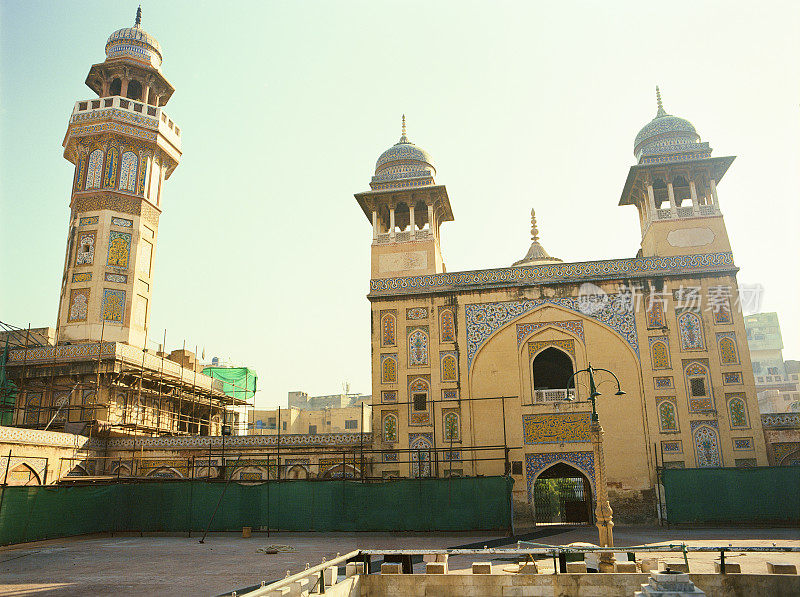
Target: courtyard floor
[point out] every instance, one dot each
(134, 565)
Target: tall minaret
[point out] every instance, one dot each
(123, 146)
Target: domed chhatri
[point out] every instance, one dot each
(536, 255)
(134, 43)
(403, 166)
(668, 138)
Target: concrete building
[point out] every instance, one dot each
(472, 371)
(299, 421)
(777, 381)
(302, 401)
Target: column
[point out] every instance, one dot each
(391, 223)
(411, 221)
(374, 225)
(146, 94)
(652, 201)
(672, 206)
(123, 92)
(695, 202)
(603, 512)
(430, 219)
(714, 198)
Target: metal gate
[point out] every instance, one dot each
(562, 495)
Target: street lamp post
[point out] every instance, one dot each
(603, 512)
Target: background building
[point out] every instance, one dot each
(777, 381)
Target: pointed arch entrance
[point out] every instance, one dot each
(562, 494)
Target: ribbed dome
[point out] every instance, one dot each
(135, 43)
(668, 135)
(403, 165)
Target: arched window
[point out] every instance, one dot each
(390, 428)
(417, 348)
(116, 87)
(449, 368)
(112, 161)
(127, 178)
(659, 355)
(447, 326)
(388, 369)
(420, 456)
(388, 330)
(421, 214)
(402, 216)
(667, 417)
(706, 445)
(698, 387)
(552, 369)
(418, 390)
(738, 413)
(451, 427)
(134, 90)
(727, 351)
(690, 329)
(94, 171)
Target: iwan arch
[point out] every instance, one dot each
(470, 369)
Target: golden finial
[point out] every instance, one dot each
(138, 21)
(660, 111)
(534, 229)
(404, 126)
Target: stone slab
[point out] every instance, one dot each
(781, 568)
(481, 568)
(435, 568)
(394, 568)
(625, 567)
(576, 567)
(730, 567)
(676, 565)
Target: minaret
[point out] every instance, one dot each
(674, 187)
(406, 208)
(124, 146)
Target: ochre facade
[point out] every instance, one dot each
(472, 370)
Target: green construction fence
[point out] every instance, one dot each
(763, 495)
(428, 504)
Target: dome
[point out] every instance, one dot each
(667, 135)
(403, 165)
(536, 255)
(134, 43)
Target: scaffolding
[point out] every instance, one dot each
(110, 389)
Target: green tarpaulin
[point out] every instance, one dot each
(457, 504)
(237, 382)
(764, 494)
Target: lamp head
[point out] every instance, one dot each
(619, 393)
(594, 394)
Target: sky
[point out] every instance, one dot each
(263, 254)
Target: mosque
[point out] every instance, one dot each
(482, 372)
(472, 372)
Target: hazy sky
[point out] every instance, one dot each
(263, 254)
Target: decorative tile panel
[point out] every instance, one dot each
(125, 223)
(737, 409)
(417, 313)
(690, 329)
(420, 443)
(116, 278)
(82, 277)
(449, 366)
(119, 249)
(388, 368)
(662, 383)
(417, 347)
(389, 427)
(667, 415)
(672, 447)
(556, 428)
(526, 329)
(783, 449)
(113, 305)
(706, 443)
(388, 328)
(733, 378)
(78, 304)
(388, 396)
(728, 353)
(655, 313)
(88, 221)
(447, 326)
(781, 420)
(484, 319)
(536, 463)
(743, 443)
(659, 352)
(451, 425)
(640, 267)
(567, 346)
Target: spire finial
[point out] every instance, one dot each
(660, 111)
(534, 229)
(403, 138)
(138, 21)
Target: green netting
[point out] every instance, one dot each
(739, 495)
(8, 391)
(237, 382)
(457, 504)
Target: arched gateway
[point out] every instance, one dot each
(562, 494)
